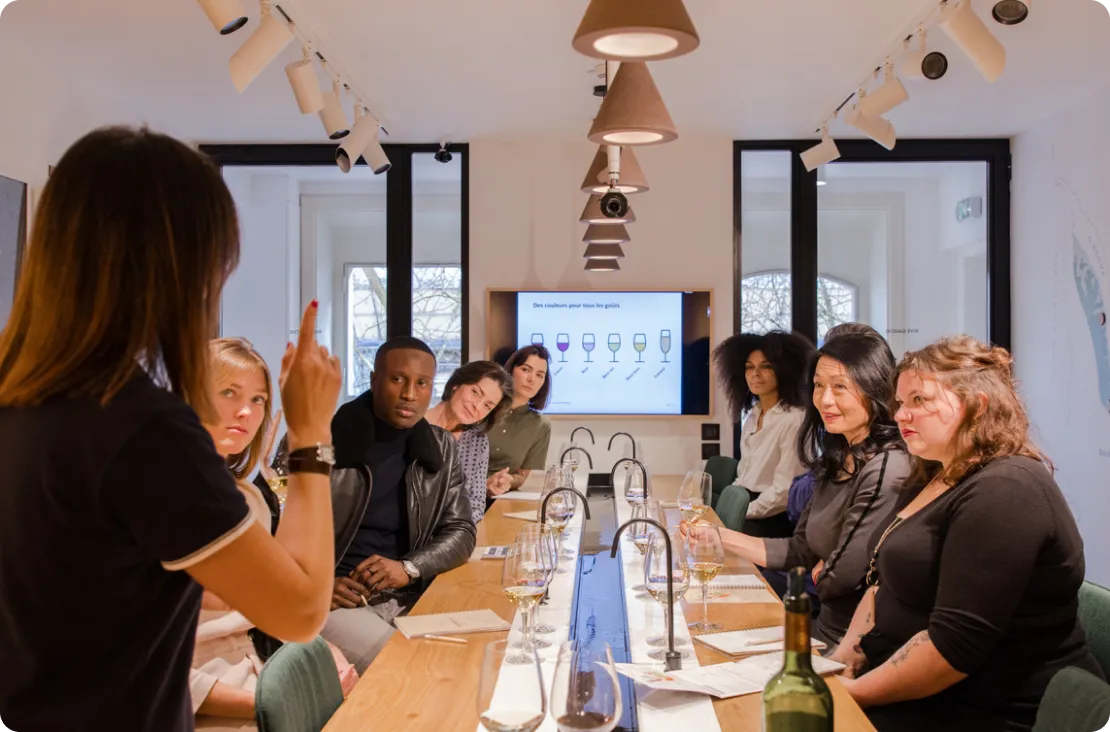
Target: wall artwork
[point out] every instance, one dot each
(13, 239)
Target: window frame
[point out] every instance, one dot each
(786, 273)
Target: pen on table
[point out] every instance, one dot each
(449, 638)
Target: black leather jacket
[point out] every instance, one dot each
(441, 532)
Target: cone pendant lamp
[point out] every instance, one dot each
(602, 265)
(632, 179)
(606, 234)
(592, 214)
(635, 30)
(604, 251)
(633, 112)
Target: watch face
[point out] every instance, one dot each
(326, 453)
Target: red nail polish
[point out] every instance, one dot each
(315, 304)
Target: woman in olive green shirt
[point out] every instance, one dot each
(518, 443)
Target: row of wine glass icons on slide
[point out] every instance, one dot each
(639, 342)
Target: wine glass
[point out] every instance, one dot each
(543, 534)
(562, 341)
(705, 554)
(656, 571)
(521, 707)
(693, 496)
(588, 345)
(537, 339)
(640, 533)
(560, 510)
(639, 342)
(665, 343)
(586, 694)
(614, 344)
(569, 458)
(634, 489)
(524, 579)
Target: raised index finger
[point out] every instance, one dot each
(307, 336)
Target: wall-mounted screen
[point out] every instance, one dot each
(612, 353)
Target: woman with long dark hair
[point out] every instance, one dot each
(518, 445)
(849, 441)
(117, 510)
(763, 376)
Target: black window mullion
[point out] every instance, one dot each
(803, 249)
(398, 242)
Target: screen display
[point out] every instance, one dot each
(612, 353)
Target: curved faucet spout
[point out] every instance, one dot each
(638, 464)
(673, 659)
(575, 491)
(630, 439)
(589, 459)
(588, 432)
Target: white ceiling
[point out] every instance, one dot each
(445, 69)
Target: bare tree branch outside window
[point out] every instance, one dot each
(765, 299)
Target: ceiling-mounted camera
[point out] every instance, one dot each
(443, 155)
(614, 204)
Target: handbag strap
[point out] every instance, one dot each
(835, 556)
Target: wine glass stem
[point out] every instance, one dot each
(705, 603)
(526, 621)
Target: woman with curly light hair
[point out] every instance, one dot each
(974, 578)
(764, 378)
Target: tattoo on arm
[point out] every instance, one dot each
(905, 651)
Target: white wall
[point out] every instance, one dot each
(524, 233)
(1060, 344)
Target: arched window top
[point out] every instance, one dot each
(765, 301)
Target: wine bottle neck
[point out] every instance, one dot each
(796, 641)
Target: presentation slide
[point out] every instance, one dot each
(611, 352)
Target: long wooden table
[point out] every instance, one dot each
(417, 685)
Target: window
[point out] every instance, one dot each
(765, 298)
(436, 319)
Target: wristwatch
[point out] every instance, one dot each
(410, 569)
(314, 459)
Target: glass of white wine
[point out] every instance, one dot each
(693, 496)
(545, 537)
(519, 708)
(560, 510)
(586, 694)
(705, 555)
(524, 579)
(656, 571)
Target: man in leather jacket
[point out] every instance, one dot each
(402, 515)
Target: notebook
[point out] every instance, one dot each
(745, 597)
(722, 680)
(749, 642)
(518, 496)
(524, 515)
(737, 582)
(489, 552)
(468, 621)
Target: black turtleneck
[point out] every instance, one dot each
(385, 525)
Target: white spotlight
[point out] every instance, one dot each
(363, 141)
(226, 16)
(973, 37)
(333, 116)
(306, 87)
(821, 153)
(263, 46)
(878, 129)
(886, 97)
(919, 64)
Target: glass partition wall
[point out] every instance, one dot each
(385, 255)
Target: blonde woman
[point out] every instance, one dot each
(974, 577)
(225, 664)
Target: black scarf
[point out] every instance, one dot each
(352, 433)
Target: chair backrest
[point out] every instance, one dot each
(298, 689)
(732, 508)
(722, 471)
(1075, 701)
(1094, 614)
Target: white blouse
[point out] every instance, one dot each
(769, 458)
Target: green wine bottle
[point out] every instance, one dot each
(797, 699)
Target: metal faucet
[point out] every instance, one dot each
(575, 431)
(643, 471)
(581, 449)
(575, 491)
(673, 659)
(630, 439)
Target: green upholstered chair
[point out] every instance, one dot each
(1075, 701)
(298, 689)
(1094, 614)
(732, 507)
(722, 471)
